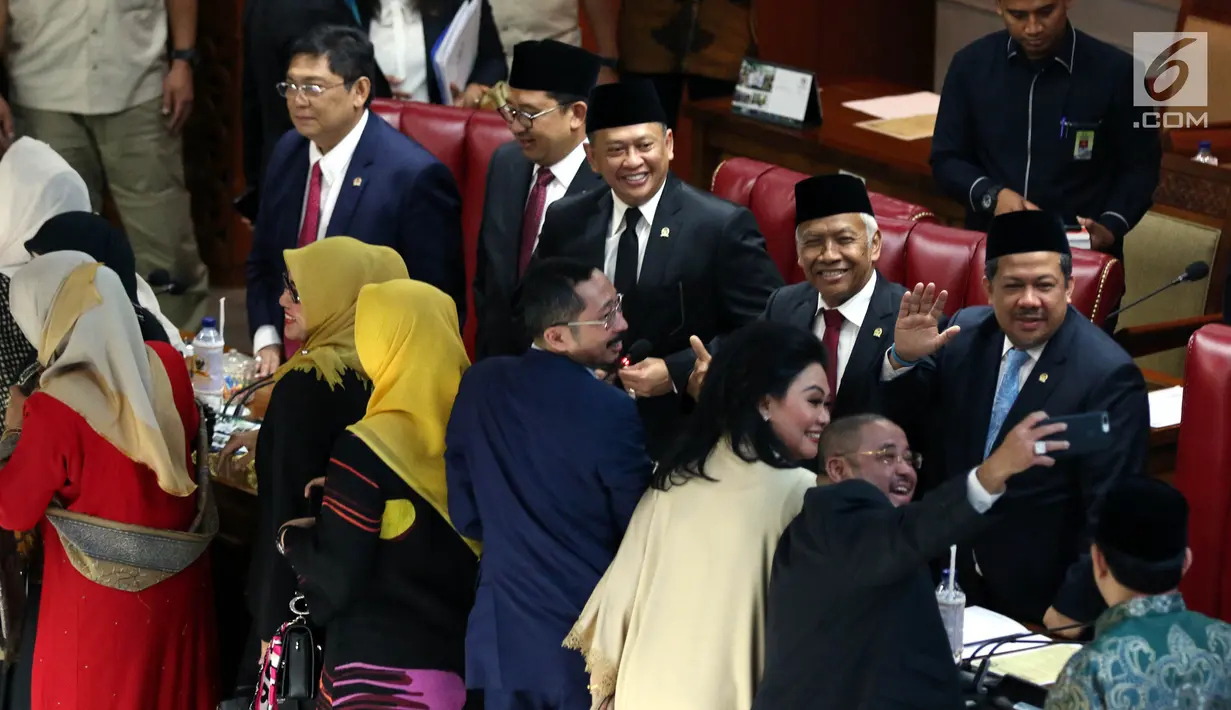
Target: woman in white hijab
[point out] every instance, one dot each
(36, 184)
(104, 443)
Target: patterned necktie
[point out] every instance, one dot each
(833, 328)
(1006, 394)
(533, 217)
(627, 254)
(312, 211)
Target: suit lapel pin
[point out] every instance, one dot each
(877, 333)
(357, 182)
(1043, 377)
(665, 233)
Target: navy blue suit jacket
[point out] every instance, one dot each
(1035, 552)
(545, 465)
(395, 194)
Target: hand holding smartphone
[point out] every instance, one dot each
(1086, 433)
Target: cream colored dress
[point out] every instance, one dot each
(678, 620)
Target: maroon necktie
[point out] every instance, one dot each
(532, 217)
(833, 328)
(307, 233)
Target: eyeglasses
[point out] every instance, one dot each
(510, 114)
(289, 285)
(890, 457)
(607, 321)
(312, 91)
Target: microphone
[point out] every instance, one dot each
(639, 351)
(1193, 272)
(160, 281)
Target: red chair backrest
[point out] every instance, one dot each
(1098, 282)
(1203, 470)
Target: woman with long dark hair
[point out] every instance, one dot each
(690, 578)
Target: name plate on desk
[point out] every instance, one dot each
(776, 93)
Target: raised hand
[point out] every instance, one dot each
(916, 334)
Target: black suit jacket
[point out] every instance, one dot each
(270, 27)
(1035, 554)
(509, 177)
(860, 391)
(852, 621)
(707, 276)
(395, 193)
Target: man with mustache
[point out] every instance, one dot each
(1028, 351)
(852, 620)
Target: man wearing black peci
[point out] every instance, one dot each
(687, 262)
(1029, 351)
(546, 161)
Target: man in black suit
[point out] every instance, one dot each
(845, 301)
(1028, 351)
(686, 262)
(852, 619)
(548, 89)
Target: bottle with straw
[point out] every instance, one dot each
(952, 602)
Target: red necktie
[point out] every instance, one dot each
(307, 233)
(312, 212)
(833, 328)
(532, 217)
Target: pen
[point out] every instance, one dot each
(1063, 123)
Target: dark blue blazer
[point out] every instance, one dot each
(1035, 552)
(395, 194)
(545, 465)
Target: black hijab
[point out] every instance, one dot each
(95, 236)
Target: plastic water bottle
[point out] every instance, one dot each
(209, 370)
(1205, 154)
(953, 612)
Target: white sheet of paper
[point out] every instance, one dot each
(920, 103)
(1165, 406)
(457, 49)
(981, 624)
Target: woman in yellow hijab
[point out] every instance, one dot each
(383, 567)
(320, 390)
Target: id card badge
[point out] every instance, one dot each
(1083, 145)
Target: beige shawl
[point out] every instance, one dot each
(76, 314)
(677, 622)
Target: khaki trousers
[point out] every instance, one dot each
(132, 154)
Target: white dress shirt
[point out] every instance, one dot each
(853, 312)
(619, 207)
(562, 174)
(334, 165)
(397, 37)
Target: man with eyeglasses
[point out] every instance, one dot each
(344, 172)
(852, 619)
(688, 262)
(545, 465)
(546, 161)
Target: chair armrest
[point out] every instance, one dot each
(1140, 340)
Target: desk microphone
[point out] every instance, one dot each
(1193, 272)
(160, 282)
(639, 351)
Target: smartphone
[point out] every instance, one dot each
(1087, 433)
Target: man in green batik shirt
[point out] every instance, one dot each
(1148, 651)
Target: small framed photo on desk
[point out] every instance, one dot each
(776, 93)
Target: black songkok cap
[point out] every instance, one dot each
(1142, 530)
(627, 103)
(828, 195)
(548, 65)
(1026, 231)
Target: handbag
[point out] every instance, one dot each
(291, 667)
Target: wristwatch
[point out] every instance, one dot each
(187, 55)
(990, 196)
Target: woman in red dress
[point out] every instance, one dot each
(107, 435)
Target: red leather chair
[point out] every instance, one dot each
(464, 140)
(1203, 470)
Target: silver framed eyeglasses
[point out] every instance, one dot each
(890, 457)
(607, 321)
(510, 114)
(312, 91)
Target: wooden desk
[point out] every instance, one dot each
(891, 167)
